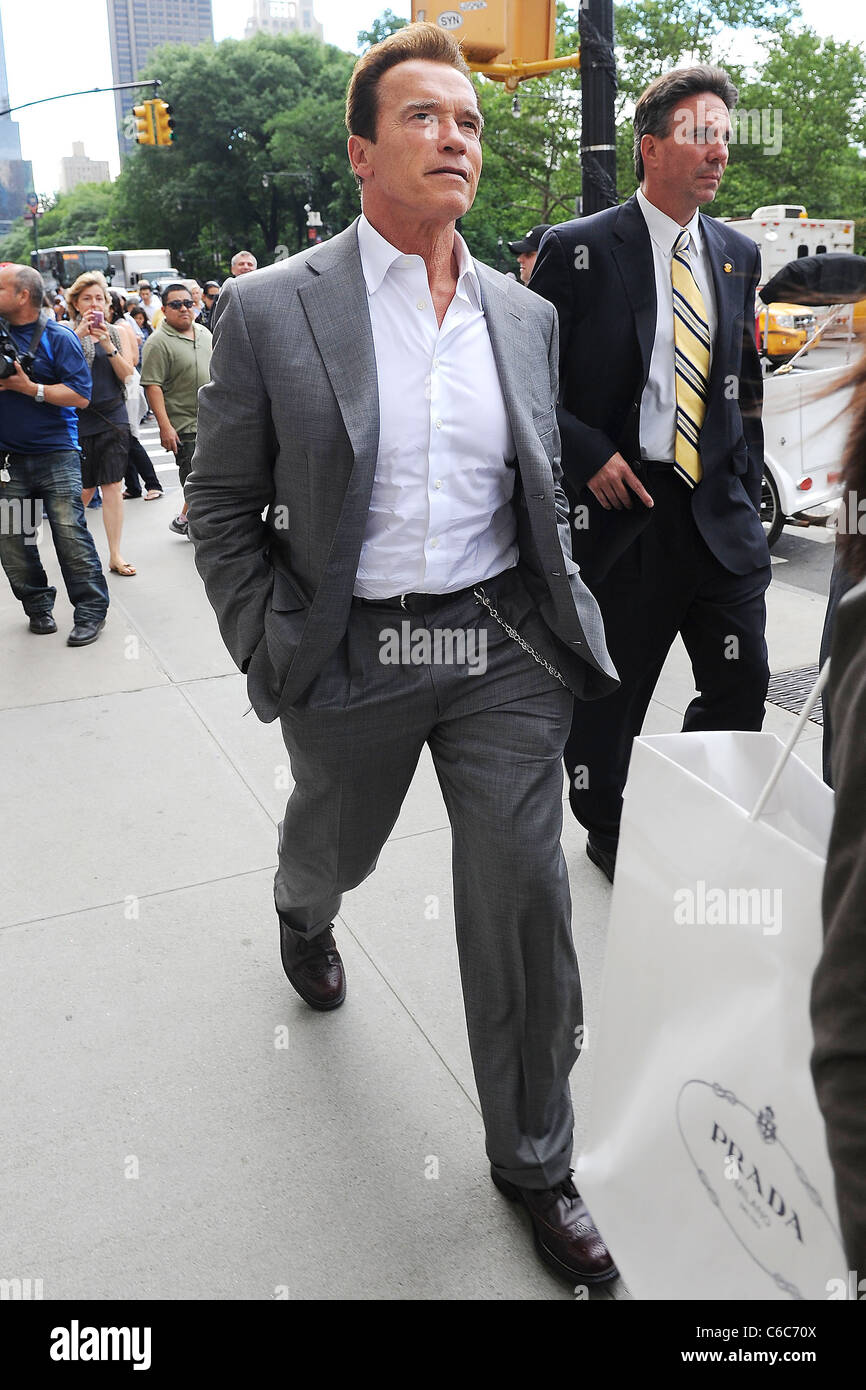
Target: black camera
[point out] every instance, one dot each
(9, 354)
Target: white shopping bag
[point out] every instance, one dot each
(705, 1165)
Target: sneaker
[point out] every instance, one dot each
(179, 525)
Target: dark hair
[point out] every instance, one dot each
(424, 41)
(116, 305)
(852, 545)
(652, 115)
(134, 313)
(176, 285)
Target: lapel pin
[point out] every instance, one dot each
(727, 267)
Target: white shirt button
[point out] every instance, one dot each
(438, 424)
(434, 543)
(421, 304)
(438, 483)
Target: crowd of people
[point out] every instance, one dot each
(144, 355)
(447, 444)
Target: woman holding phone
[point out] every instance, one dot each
(103, 428)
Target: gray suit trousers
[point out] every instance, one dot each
(496, 726)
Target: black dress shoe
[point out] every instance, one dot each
(313, 967)
(604, 859)
(565, 1234)
(84, 633)
(42, 623)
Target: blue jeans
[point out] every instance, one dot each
(56, 480)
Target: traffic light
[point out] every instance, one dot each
(504, 39)
(143, 114)
(163, 122)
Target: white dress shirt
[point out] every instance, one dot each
(658, 406)
(441, 515)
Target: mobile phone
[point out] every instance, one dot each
(97, 318)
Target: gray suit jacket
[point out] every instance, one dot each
(289, 423)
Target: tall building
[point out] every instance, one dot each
(283, 17)
(136, 28)
(80, 168)
(16, 174)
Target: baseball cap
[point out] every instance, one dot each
(530, 242)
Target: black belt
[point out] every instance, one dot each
(426, 603)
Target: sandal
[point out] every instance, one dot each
(152, 495)
(124, 568)
(130, 496)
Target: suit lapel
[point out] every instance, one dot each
(633, 255)
(335, 303)
(728, 291)
(504, 324)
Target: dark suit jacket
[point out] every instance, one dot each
(839, 987)
(598, 273)
(289, 425)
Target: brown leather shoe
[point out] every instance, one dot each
(313, 967)
(565, 1235)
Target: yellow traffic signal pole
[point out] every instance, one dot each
(515, 72)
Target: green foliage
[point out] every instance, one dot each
(387, 23)
(652, 36)
(72, 218)
(258, 135)
(810, 97)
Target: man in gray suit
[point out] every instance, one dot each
(390, 404)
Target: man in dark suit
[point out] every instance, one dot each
(660, 408)
(390, 404)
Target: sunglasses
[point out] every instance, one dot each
(179, 304)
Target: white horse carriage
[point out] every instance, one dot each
(804, 421)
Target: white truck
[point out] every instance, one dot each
(131, 266)
(785, 232)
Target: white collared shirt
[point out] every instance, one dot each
(441, 515)
(658, 406)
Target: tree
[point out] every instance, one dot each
(258, 136)
(70, 218)
(807, 97)
(387, 23)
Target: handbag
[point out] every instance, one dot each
(136, 401)
(706, 1163)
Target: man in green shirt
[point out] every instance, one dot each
(174, 365)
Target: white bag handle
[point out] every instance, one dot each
(792, 739)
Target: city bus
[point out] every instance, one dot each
(60, 266)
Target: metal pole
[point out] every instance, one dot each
(598, 88)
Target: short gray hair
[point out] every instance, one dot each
(238, 254)
(652, 115)
(29, 279)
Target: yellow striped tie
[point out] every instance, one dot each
(692, 353)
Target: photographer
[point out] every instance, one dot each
(40, 459)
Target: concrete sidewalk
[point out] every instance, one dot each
(177, 1123)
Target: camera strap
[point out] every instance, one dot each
(38, 330)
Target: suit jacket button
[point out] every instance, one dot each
(556, 572)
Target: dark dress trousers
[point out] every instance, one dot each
(700, 567)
